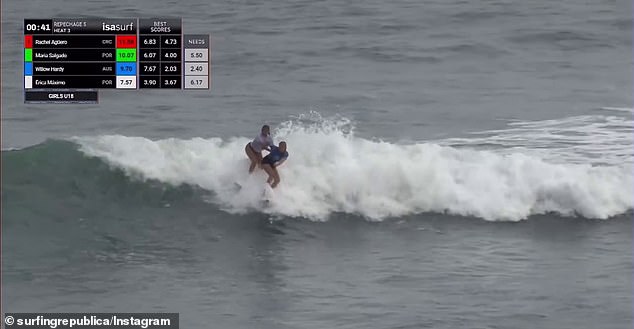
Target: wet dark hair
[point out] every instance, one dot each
(266, 127)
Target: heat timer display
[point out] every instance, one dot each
(80, 56)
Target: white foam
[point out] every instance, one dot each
(595, 139)
(618, 109)
(330, 170)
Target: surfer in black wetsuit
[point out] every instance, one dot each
(273, 160)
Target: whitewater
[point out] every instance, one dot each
(330, 170)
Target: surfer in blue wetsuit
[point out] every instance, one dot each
(254, 148)
(273, 160)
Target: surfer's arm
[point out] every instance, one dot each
(277, 164)
(271, 147)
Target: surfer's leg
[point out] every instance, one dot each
(258, 162)
(270, 171)
(253, 156)
(276, 178)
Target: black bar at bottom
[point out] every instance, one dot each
(62, 96)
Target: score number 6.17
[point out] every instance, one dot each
(196, 82)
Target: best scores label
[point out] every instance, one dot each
(160, 53)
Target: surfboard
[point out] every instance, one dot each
(266, 196)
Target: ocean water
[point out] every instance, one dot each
(452, 164)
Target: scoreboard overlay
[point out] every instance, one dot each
(69, 60)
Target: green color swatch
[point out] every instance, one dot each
(126, 55)
(28, 55)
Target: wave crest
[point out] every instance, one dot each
(331, 170)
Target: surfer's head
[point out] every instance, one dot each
(266, 130)
(282, 146)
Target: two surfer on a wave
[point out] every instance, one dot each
(277, 155)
